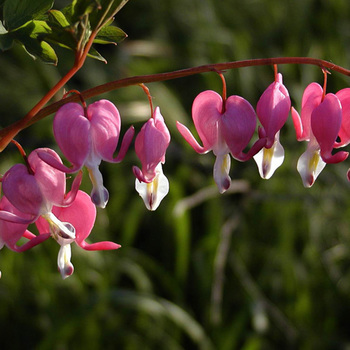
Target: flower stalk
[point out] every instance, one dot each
(39, 111)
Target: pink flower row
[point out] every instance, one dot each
(36, 192)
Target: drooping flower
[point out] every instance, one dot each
(319, 123)
(272, 109)
(150, 145)
(88, 136)
(344, 132)
(80, 215)
(224, 126)
(31, 191)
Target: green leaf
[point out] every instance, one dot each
(19, 12)
(63, 33)
(96, 55)
(6, 41)
(57, 17)
(40, 50)
(62, 37)
(110, 35)
(30, 36)
(79, 8)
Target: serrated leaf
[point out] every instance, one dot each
(110, 35)
(18, 12)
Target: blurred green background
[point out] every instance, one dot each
(264, 266)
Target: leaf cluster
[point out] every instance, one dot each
(36, 25)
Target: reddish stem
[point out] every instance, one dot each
(275, 69)
(24, 155)
(37, 113)
(224, 93)
(325, 73)
(7, 135)
(146, 91)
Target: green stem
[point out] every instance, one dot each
(38, 113)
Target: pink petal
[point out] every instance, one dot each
(105, 127)
(206, 114)
(70, 197)
(238, 124)
(53, 162)
(72, 133)
(187, 135)
(273, 109)
(325, 124)
(31, 243)
(51, 181)
(344, 133)
(298, 125)
(312, 97)
(22, 190)
(129, 135)
(81, 214)
(151, 144)
(11, 232)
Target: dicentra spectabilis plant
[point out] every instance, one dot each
(35, 192)
(86, 136)
(319, 123)
(272, 109)
(80, 215)
(225, 126)
(150, 146)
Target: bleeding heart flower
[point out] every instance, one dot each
(272, 109)
(224, 127)
(87, 136)
(36, 187)
(31, 191)
(320, 124)
(80, 216)
(150, 145)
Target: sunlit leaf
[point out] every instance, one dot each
(19, 12)
(29, 35)
(110, 35)
(96, 55)
(58, 18)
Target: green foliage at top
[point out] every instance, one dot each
(18, 12)
(36, 26)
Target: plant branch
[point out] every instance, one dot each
(38, 112)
